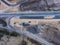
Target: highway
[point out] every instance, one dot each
(14, 24)
(23, 31)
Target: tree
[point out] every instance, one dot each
(4, 31)
(23, 42)
(4, 24)
(1, 35)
